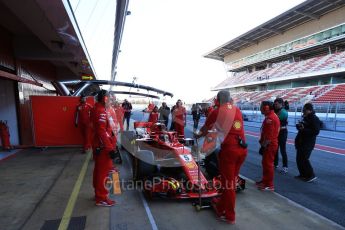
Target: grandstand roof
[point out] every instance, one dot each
(307, 11)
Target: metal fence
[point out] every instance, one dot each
(332, 115)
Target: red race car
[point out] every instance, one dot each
(166, 165)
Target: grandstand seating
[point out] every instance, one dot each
(315, 64)
(321, 93)
(335, 94)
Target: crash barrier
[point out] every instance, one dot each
(53, 121)
(332, 115)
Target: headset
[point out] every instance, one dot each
(103, 96)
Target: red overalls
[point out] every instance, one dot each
(119, 116)
(179, 116)
(103, 140)
(153, 117)
(84, 123)
(150, 107)
(269, 133)
(113, 124)
(210, 140)
(227, 119)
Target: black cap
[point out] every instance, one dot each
(267, 103)
(101, 94)
(308, 106)
(279, 100)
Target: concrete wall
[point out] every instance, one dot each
(329, 20)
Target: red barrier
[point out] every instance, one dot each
(53, 120)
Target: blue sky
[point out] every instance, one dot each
(164, 40)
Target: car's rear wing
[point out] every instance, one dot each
(142, 124)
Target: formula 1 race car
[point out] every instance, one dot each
(166, 164)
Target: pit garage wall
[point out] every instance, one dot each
(42, 71)
(8, 108)
(53, 121)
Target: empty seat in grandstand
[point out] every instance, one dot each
(319, 63)
(334, 94)
(291, 95)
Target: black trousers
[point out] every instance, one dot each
(303, 164)
(282, 138)
(126, 118)
(166, 122)
(196, 123)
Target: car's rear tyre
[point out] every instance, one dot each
(143, 165)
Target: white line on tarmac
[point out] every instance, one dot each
(148, 212)
(146, 206)
(316, 148)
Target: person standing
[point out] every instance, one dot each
(308, 129)
(172, 125)
(196, 113)
(164, 112)
(210, 140)
(127, 107)
(119, 114)
(180, 118)
(83, 121)
(103, 148)
(154, 115)
(283, 134)
(150, 107)
(209, 110)
(269, 145)
(227, 120)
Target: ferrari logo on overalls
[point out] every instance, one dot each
(237, 124)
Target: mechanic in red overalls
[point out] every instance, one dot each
(119, 114)
(154, 115)
(113, 128)
(83, 120)
(210, 141)
(210, 108)
(150, 107)
(269, 145)
(227, 120)
(103, 148)
(180, 118)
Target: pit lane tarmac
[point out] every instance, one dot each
(255, 210)
(37, 185)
